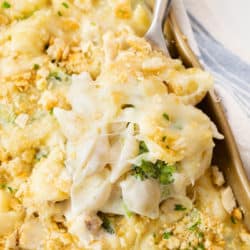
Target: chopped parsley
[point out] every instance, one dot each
(165, 116)
(233, 220)
(3, 186)
(36, 66)
(159, 170)
(51, 112)
(166, 172)
(164, 138)
(59, 13)
(55, 75)
(146, 170)
(136, 129)
(65, 5)
(6, 5)
(200, 247)
(10, 189)
(179, 207)
(201, 235)
(166, 235)
(41, 154)
(106, 224)
(195, 226)
(127, 211)
(143, 148)
(124, 106)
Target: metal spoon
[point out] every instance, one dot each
(155, 33)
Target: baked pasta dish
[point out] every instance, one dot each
(101, 145)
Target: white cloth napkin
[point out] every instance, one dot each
(222, 44)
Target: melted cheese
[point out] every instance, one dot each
(142, 197)
(85, 101)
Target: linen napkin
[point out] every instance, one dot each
(213, 35)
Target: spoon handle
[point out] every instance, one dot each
(161, 10)
(155, 34)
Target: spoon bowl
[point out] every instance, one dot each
(155, 32)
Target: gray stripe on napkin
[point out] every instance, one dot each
(229, 70)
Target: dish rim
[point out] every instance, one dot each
(234, 172)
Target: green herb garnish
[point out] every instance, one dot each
(41, 154)
(164, 138)
(127, 211)
(36, 66)
(200, 247)
(3, 185)
(179, 207)
(201, 235)
(65, 5)
(139, 173)
(59, 13)
(143, 148)
(55, 75)
(195, 226)
(158, 170)
(165, 116)
(124, 106)
(6, 5)
(10, 189)
(166, 235)
(106, 224)
(166, 175)
(146, 170)
(233, 220)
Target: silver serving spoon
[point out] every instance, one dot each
(155, 32)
